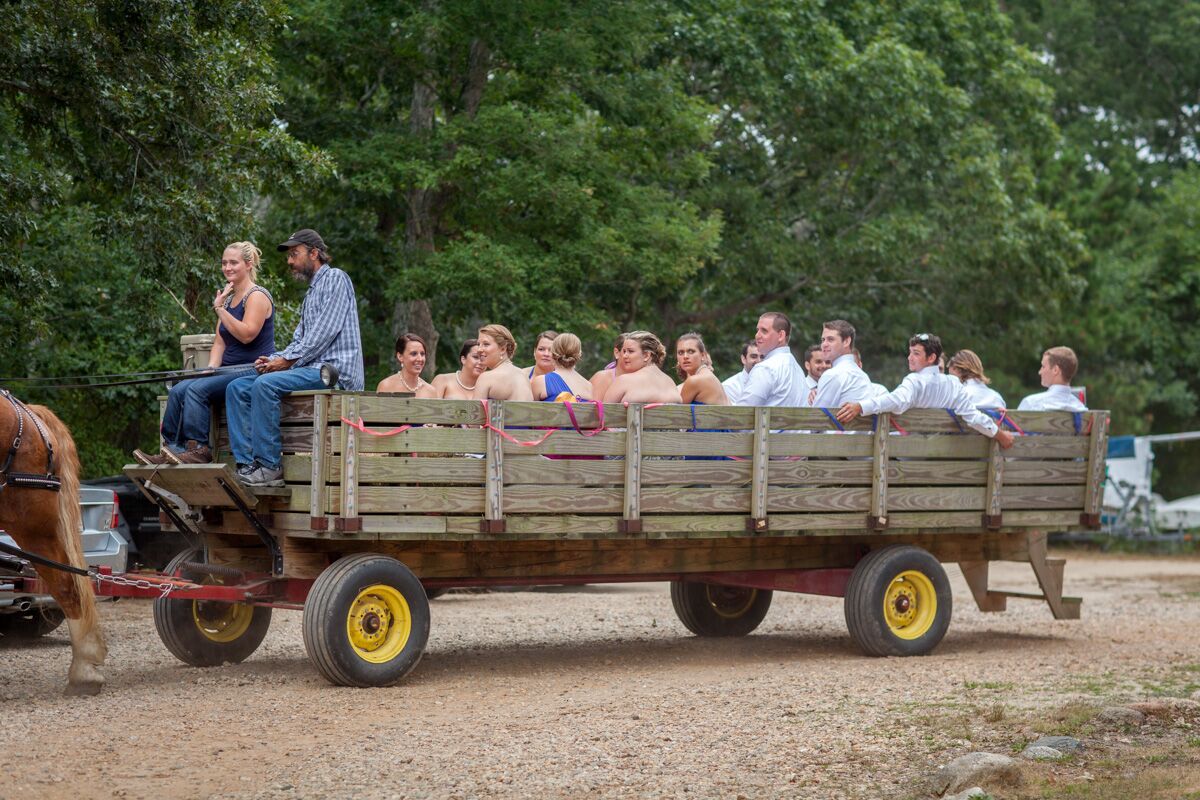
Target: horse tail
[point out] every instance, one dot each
(70, 516)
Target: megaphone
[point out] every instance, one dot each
(329, 375)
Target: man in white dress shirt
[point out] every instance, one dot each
(844, 381)
(1059, 366)
(814, 367)
(736, 384)
(777, 380)
(926, 386)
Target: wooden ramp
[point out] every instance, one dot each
(211, 485)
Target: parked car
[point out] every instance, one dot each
(104, 545)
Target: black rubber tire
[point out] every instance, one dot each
(33, 624)
(327, 618)
(709, 609)
(868, 587)
(175, 621)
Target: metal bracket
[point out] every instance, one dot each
(993, 521)
(163, 499)
(1090, 521)
(876, 523)
(629, 526)
(318, 523)
(757, 524)
(264, 534)
(491, 526)
(347, 524)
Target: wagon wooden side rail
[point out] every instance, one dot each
(728, 503)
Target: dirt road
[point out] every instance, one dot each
(597, 691)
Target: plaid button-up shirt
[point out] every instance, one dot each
(328, 331)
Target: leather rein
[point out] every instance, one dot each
(27, 480)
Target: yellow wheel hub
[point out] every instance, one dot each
(730, 602)
(910, 605)
(222, 622)
(378, 624)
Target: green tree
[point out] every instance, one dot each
(134, 140)
(498, 162)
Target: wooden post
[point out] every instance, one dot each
(631, 518)
(1097, 453)
(317, 520)
(348, 521)
(214, 432)
(493, 509)
(976, 573)
(993, 509)
(877, 520)
(759, 521)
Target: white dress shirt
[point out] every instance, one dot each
(879, 389)
(981, 395)
(809, 385)
(735, 385)
(777, 380)
(843, 382)
(929, 388)
(1057, 398)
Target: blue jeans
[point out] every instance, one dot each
(252, 411)
(189, 404)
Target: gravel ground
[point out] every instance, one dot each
(596, 691)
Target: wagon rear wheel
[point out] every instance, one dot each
(710, 609)
(204, 633)
(898, 602)
(366, 621)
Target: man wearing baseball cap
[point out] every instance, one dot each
(328, 333)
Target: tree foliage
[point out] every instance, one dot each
(1010, 179)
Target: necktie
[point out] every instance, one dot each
(812, 395)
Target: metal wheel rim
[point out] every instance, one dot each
(730, 602)
(910, 605)
(378, 624)
(231, 621)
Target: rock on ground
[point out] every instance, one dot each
(1120, 715)
(1063, 744)
(1041, 753)
(975, 769)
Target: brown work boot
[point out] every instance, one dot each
(145, 458)
(195, 454)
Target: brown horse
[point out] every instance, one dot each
(49, 524)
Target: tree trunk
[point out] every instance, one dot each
(414, 315)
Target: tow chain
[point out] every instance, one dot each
(164, 587)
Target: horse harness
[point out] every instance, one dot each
(27, 480)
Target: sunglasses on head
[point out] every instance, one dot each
(923, 337)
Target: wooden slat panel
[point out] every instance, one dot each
(382, 410)
(879, 472)
(421, 499)
(426, 440)
(568, 442)
(761, 459)
(1097, 454)
(814, 472)
(820, 444)
(718, 473)
(660, 500)
(422, 471)
(697, 443)
(1043, 472)
(972, 445)
(555, 500)
(494, 469)
(541, 471)
(632, 505)
(936, 420)
(554, 415)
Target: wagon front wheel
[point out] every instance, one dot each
(366, 621)
(710, 609)
(205, 633)
(898, 602)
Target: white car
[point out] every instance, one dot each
(28, 616)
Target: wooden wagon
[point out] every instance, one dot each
(389, 497)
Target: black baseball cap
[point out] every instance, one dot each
(303, 236)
